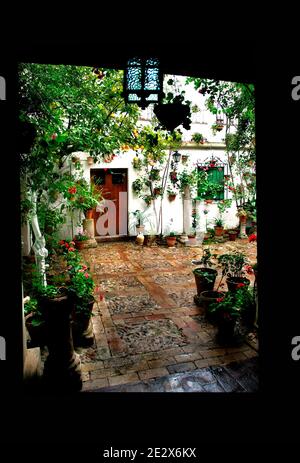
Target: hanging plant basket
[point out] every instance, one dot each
(172, 197)
(184, 158)
(171, 115)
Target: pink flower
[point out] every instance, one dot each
(72, 242)
(71, 249)
(220, 299)
(86, 275)
(84, 267)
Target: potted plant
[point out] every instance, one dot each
(232, 267)
(154, 174)
(197, 138)
(184, 158)
(148, 199)
(81, 239)
(139, 220)
(157, 191)
(205, 276)
(232, 235)
(81, 290)
(207, 298)
(137, 186)
(219, 227)
(225, 312)
(171, 194)
(87, 197)
(171, 239)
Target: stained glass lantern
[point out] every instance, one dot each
(143, 81)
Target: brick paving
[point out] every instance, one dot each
(148, 332)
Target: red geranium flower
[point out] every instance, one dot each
(71, 249)
(61, 242)
(240, 285)
(252, 237)
(72, 190)
(220, 299)
(67, 245)
(86, 275)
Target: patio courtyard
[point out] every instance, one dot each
(149, 335)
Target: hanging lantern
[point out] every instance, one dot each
(176, 156)
(143, 81)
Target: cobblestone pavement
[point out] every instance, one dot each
(148, 327)
(234, 377)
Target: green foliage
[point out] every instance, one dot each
(237, 102)
(81, 237)
(219, 222)
(206, 258)
(226, 307)
(235, 304)
(232, 264)
(197, 137)
(140, 217)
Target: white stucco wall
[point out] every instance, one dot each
(172, 211)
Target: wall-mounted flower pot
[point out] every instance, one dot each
(157, 191)
(171, 197)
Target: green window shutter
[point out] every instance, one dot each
(216, 177)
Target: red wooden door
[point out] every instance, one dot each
(112, 182)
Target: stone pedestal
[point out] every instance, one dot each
(88, 227)
(83, 337)
(62, 370)
(187, 210)
(243, 223)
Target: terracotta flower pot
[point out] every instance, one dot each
(171, 198)
(219, 231)
(171, 240)
(89, 214)
(232, 235)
